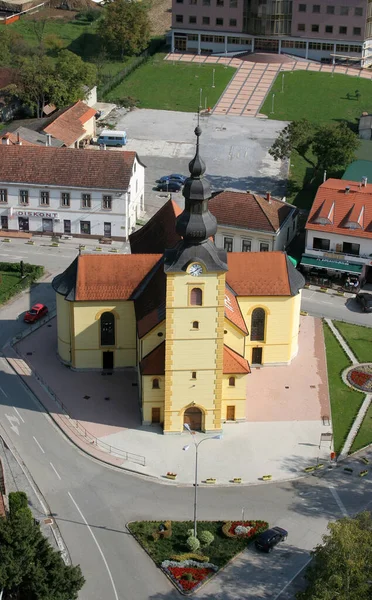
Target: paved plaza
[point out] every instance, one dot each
(286, 406)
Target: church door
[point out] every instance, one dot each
(193, 417)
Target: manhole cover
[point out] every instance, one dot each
(48, 521)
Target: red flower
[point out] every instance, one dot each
(252, 531)
(359, 378)
(198, 575)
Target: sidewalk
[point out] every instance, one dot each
(281, 438)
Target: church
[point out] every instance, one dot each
(191, 318)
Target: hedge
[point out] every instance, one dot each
(33, 272)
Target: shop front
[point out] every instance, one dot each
(30, 220)
(335, 274)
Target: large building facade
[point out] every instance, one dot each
(332, 31)
(192, 319)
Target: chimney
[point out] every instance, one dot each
(5, 139)
(18, 140)
(364, 181)
(268, 197)
(49, 139)
(347, 189)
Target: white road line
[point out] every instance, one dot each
(19, 414)
(339, 502)
(38, 444)
(293, 578)
(2, 391)
(98, 546)
(55, 470)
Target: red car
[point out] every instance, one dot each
(38, 311)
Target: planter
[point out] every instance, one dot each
(365, 460)
(98, 249)
(309, 469)
(54, 244)
(267, 477)
(210, 480)
(237, 480)
(319, 466)
(304, 313)
(82, 247)
(363, 473)
(7, 240)
(348, 469)
(113, 250)
(30, 243)
(171, 476)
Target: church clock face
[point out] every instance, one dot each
(196, 270)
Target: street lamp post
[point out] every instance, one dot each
(272, 104)
(213, 72)
(197, 444)
(282, 83)
(200, 98)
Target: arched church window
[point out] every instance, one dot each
(107, 329)
(155, 384)
(232, 381)
(196, 297)
(258, 325)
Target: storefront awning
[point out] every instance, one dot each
(335, 265)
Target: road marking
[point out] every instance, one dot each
(11, 420)
(339, 502)
(2, 391)
(38, 444)
(19, 414)
(293, 578)
(55, 470)
(98, 546)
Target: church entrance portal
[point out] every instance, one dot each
(193, 418)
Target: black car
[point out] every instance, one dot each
(270, 538)
(365, 301)
(169, 186)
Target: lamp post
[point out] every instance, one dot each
(272, 104)
(282, 83)
(197, 444)
(200, 98)
(213, 72)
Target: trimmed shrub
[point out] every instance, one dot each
(193, 543)
(190, 533)
(190, 556)
(206, 538)
(17, 501)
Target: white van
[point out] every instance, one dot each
(112, 138)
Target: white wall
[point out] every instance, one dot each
(239, 235)
(284, 238)
(365, 244)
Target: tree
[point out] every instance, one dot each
(298, 135)
(29, 567)
(71, 75)
(125, 27)
(334, 146)
(342, 566)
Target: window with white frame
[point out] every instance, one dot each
(23, 196)
(3, 196)
(65, 199)
(264, 247)
(246, 245)
(86, 201)
(44, 198)
(228, 244)
(107, 202)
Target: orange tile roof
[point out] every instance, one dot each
(233, 362)
(258, 273)
(159, 232)
(13, 140)
(233, 312)
(249, 211)
(116, 277)
(154, 362)
(68, 126)
(336, 211)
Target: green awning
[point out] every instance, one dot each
(335, 265)
(293, 260)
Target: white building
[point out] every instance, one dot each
(70, 191)
(339, 230)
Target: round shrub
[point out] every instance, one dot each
(193, 543)
(190, 533)
(206, 538)
(188, 576)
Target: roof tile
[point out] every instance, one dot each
(68, 126)
(258, 273)
(159, 232)
(154, 362)
(233, 362)
(233, 312)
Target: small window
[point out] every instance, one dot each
(320, 244)
(358, 11)
(329, 28)
(107, 202)
(233, 3)
(302, 8)
(193, 375)
(342, 30)
(85, 227)
(23, 196)
(44, 198)
(206, 20)
(219, 2)
(330, 10)
(160, 334)
(316, 8)
(315, 28)
(3, 196)
(192, 19)
(301, 27)
(155, 384)
(264, 247)
(193, 1)
(246, 245)
(228, 244)
(65, 199)
(344, 11)
(196, 297)
(232, 22)
(107, 329)
(206, 2)
(219, 21)
(85, 200)
(179, 18)
(357, 31)
(232, 381)
(195, 324)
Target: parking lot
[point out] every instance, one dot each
(235, 150)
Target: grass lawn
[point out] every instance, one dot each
(358, 338)
(364, 435)
(7, 281)
(318, 97)
(345, 402)
(160, 84)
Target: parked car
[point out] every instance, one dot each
(270, 538)
(169, 186)
(365, 301)
(173, 177)
(38, 311)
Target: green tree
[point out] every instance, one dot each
(29, 567)
(71, 74)
(342, 566)
(125, 27)
(334, 146)
(298, 136)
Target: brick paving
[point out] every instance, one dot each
(252, 81)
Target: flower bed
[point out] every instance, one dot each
(243, 529)
(361, 378)
(188, 575)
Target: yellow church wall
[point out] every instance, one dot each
(63, 328)
(152, 398)
(233, 338)
(295, 324)
(280, 328)
(193, 355)
(151, 340)
(234, 395)
(87, 351)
